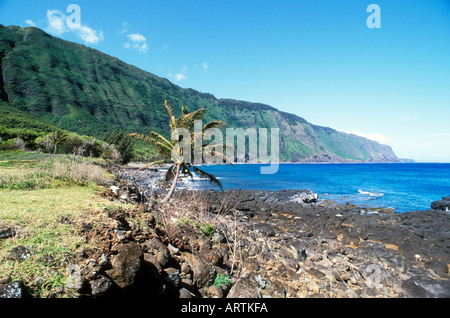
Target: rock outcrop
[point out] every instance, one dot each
(443, 204)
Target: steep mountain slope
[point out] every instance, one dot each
(83, 90)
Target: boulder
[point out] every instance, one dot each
(184, 293)
(172, 277)
(263, 228)
(125, 264)
(437, 267)
(245, 288)
(158, 249)
(215, 292)
(443, 204)
(100, 286)
(422, 286)
(204, 272)
(212, 256)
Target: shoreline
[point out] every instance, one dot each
(374, 195)
(411, 249)
(308, 163)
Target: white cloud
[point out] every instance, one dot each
(205, 66)
(142, 48)
(136, 37)
(375, 137)
(139, 43)
(182, 75)
(89, 35)
(124, 28)
(56, 22)
(30, 23)
(57, 25)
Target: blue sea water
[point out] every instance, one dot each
(402, 187)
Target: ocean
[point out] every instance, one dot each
(401, 187)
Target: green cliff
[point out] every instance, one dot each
(88, 92)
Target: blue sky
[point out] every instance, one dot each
(317, 59)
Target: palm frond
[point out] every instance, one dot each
(159, 137)
(169, 109)
(187, 171)
(187, 120)
(155, 139)
(210, 177)
(172, 120)
(213, 124)
(218, 153)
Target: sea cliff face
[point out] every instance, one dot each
(86, 91)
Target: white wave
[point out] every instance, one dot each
(371, 194)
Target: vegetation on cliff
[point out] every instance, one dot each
(82, 90)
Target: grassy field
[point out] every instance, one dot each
(45, 199)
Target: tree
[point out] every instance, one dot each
(123, 143)
(56, 138)
(171, 150)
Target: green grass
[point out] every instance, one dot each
(36, 215)
(47, 218)
(207, 229)
(26, 171)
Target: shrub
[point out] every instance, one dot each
(70, 143)
(109, 152)
(27, 137)
(12, 144)
(123, 144)
(223, 281)
(8, 145)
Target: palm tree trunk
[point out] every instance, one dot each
(174, 185)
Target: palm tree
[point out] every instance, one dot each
(56, 138)
(167, 148)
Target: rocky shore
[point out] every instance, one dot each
(293, 245)
(285, 244)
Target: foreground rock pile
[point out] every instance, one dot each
(300, 250)
(273, 244)
(277, 244)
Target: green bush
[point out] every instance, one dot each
(70, 143)
(26, 135)
(123, 143)
(13, 144)
(223, 281)
(8, 145)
